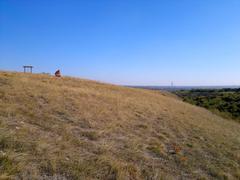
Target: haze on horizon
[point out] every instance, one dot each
(134, 42)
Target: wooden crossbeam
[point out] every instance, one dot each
(27, 68)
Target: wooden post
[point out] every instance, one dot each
(26, 68)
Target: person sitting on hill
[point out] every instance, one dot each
(58, 73)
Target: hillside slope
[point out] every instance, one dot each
(70, 128)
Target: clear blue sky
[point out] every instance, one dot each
(130, 42)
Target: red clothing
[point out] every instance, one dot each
(58, 73)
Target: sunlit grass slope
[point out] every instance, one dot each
(68, 128)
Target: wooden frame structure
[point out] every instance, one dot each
(27, 69)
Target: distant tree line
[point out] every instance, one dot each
(225, 102)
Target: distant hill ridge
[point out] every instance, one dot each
(70, 128)
(177, 88)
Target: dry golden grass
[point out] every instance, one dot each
(69, 128)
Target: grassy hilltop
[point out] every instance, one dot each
(70, 128)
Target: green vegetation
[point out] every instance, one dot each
(224, 102)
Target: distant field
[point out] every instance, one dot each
(224, 102)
